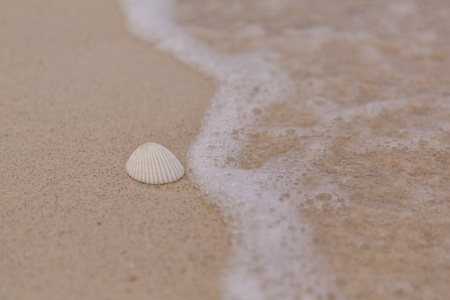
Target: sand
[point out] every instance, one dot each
(379, 210)
(77, 95)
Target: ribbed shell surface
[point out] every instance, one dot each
(154, 164)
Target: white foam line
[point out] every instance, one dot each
(272, 256)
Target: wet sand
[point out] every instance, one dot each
(77, 95)
(371, 88)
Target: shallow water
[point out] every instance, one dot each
(327, 143)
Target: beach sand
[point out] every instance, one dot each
(77, 95)
(367, 124)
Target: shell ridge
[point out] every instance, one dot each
(165, 166)
(146, 168)
(153, 165)
(146, 164)
(161, 165)
(158, 166)
(137, 159)
(143, 170)
(151, 173)
(170, 166)
(175, 164)
(179, 166)
(140, 171)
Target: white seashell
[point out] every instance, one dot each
(154, 164)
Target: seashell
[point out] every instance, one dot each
(154, 164)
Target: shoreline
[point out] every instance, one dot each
(81, 95)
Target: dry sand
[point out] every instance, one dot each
(77, 96)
